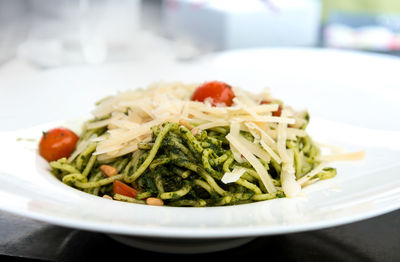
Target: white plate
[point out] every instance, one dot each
(353, 99)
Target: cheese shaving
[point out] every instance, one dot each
(231, 177)
(258, 166)
(353, 156)
(290, 186)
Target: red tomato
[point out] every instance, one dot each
(217, 92)
(123, 189)
(274, 113)
(57, 143)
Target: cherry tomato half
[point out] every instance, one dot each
(217, 92)
(57, 143)
(123, 189)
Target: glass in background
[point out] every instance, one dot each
(63, 32)
(12, 27)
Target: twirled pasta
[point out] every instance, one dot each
(184, 169)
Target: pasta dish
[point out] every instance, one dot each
(180, 144)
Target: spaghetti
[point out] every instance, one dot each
(164, 145)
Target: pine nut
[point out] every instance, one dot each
(108, 170)
(154, 201)
(108, 197)
(185, 123)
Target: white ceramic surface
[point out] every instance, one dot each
(353, 99)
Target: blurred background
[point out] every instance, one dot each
(51, 33)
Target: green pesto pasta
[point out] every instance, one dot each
(167, 168)
(192, 164)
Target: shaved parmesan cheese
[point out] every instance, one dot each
(203, 116)
(231, 177)
(344, 156)
(258, 166)
(266, 142)
(267, 139)
(312, 173)
(209, 125)
(290, 186)
(235, 129)
(291, 133)
(282, 137)
(270, 151)
(270, 119)
(236, 154)
(98, 124)
(254, 148)
(245, 107)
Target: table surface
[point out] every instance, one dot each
(375, 239)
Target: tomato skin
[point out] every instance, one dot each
(123, 189)
(219, 92)
(57, 143)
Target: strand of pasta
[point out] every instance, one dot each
(152, 153)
